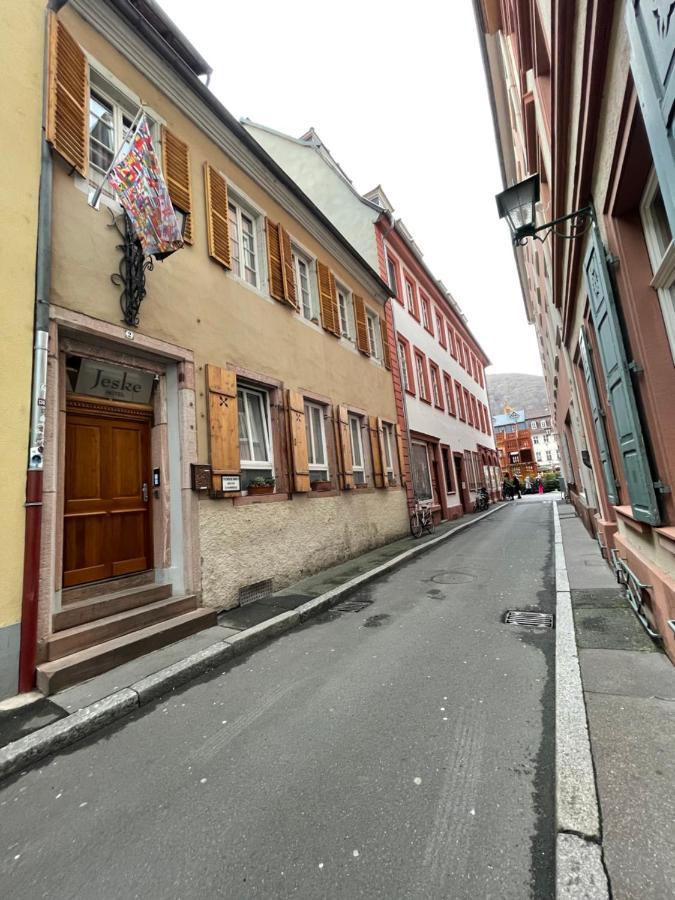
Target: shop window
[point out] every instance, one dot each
(317, 454)
(358, 463)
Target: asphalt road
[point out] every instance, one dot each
(399, 750)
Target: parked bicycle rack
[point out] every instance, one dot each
(634, 588)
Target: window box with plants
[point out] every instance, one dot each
(321, 484)
(261, 484)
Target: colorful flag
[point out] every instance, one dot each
(138, 180)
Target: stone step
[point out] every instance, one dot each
(108, 605)
(70, 640)
(61, 673)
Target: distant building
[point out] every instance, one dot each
(544, 441)
(514, 444)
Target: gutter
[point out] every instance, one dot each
(34, 474)
(129, 14)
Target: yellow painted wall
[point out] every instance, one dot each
(21, 62)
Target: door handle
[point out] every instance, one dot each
(144, 491)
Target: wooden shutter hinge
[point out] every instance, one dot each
(662, 488)
(635, 367)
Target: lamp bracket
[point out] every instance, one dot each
(580, 215)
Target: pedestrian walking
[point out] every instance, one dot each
(541, 486)
(528, 484)
(507, 492)
(516, 487)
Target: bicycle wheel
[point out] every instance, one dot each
(415, 525)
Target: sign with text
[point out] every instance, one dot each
(97, 379)
(230, 482)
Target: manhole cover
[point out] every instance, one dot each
(352, 605)
(453, 578)
(530, 619)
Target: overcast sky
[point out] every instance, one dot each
(397, 93)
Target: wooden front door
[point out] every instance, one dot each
(106, 530)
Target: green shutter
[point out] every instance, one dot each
(620, 395)
(651, 30)
(598, 419)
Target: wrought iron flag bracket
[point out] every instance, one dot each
(580, 220)
(132, 268)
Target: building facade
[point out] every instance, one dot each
(544, 441)
(217, 438)
(22, 37)
(582, 93)
(440, 377)
(515, 445)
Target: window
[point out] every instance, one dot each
(303, 285)
(538, 455)
(426, 314)
(447, 470)
(387, 440)
(470, 471)
(533, 425)
(436, 391)
(358, 467)
(374, 338)
(451, 341)
(405, 364)
(254, 435)
(542, 424)
(410, 299)
(535, 438)
(467, 406)
(440, 331)
(460, 401)
(549, 456)
(422, 378)
(243, 250)
(392, 272)
(661, 249)
(316, 442)
(474, 410)
(111, 115)
(449, 396)
(421, 476)
(346, 310)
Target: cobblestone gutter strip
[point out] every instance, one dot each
(52, 738)
(580, 872)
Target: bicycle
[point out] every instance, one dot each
(421, 519)
(482, 500)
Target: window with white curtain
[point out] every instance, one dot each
(315, 430)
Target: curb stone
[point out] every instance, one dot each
(85, 721)
(580, 873)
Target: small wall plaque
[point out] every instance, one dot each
(230, 483)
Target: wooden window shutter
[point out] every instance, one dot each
(346, 472)
(385, 343)
(217, 218)
(299, 458)
(290, 294)
(619, 385)
(221, 385)
(361, 325)
(280, 264)
(400, 451)
(330, 318)
(374, 427)
(176, 158)
(68, 98)
(597, 414)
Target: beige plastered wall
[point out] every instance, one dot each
(195, 303)
(21, 58)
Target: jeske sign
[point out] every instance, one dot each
(113, 382)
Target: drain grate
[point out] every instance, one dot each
(530, 619)
(259, 590)
(354, 605)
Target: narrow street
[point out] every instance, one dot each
(399, 746)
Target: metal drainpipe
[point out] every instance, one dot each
(33, 504)
(398, 354)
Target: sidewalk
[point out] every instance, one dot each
(238, 630)
(629, 691)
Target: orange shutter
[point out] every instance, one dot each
(345, 449)
(176, 156)
(328, 299)
(217, 220)
(287, 270)
(275, 261)
(399, 448)
(361, 325)
(221, 385)
(374, 426)
(68, 98)
(383, 452)
(385, 343)
(300, 464)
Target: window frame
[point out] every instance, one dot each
(411, 297)
(405, 365)
(436, 387)
(427, 322)
(263, 393)
(452, 340)
(374, 334)
(461, 412)
(341, 290)
(242, 208)
(357, 469)
(424, 388)
(387, 442)
(662, 260)
(311, 449)
(449, 395)
(440, 329)
(301, 256)
(396, 287)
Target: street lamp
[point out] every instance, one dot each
(517, 204)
